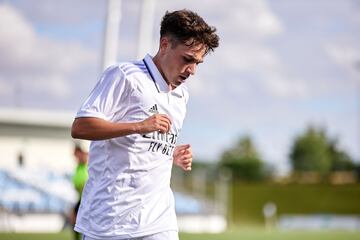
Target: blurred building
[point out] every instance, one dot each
(36, 139)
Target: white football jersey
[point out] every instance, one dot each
(128, 192)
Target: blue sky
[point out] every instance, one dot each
(281, 66)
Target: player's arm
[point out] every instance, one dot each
(92, 128)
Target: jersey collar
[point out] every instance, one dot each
(159, 80)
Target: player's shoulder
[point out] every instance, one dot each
(125, 71)
(112, 72)
(132, 67)
(126, 68)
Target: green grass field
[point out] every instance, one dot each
(261, 234)
(239, 234)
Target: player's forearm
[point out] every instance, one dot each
(99, 129)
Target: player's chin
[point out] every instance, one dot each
(179, 82)
(176, 84)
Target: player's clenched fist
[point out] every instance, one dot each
(183, 156)
(157, 122)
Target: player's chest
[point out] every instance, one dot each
(147, 101)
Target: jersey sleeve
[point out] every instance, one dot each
(110, 96)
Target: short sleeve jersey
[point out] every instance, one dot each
(128, 191)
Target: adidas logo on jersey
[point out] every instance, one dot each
(154, 109)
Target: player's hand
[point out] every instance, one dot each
(183, 156)
(157, 122)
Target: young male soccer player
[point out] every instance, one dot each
(134, 116)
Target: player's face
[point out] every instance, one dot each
(180, 61)
(81, 157)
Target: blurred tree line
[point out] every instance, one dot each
(315, 151)
(244, 161)
(312, 151)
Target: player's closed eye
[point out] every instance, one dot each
(188, 60)
(191, 61)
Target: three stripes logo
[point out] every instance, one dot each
(154, 109)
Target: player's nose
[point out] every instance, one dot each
(191, 69)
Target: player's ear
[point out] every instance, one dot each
(164, 43)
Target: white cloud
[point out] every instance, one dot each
(346, 56)
(6, 88)
(250, 19)
(246, 56)
(277, 85)
(203, 88)
(64, 12)
(41, 64)
(17, 37)
(55, 85)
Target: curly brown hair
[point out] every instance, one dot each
(187, 27)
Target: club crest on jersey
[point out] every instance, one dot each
(154, 109)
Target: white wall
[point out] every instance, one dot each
(51, 154)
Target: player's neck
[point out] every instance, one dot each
(157, 61)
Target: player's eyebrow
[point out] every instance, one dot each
(192, 58)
